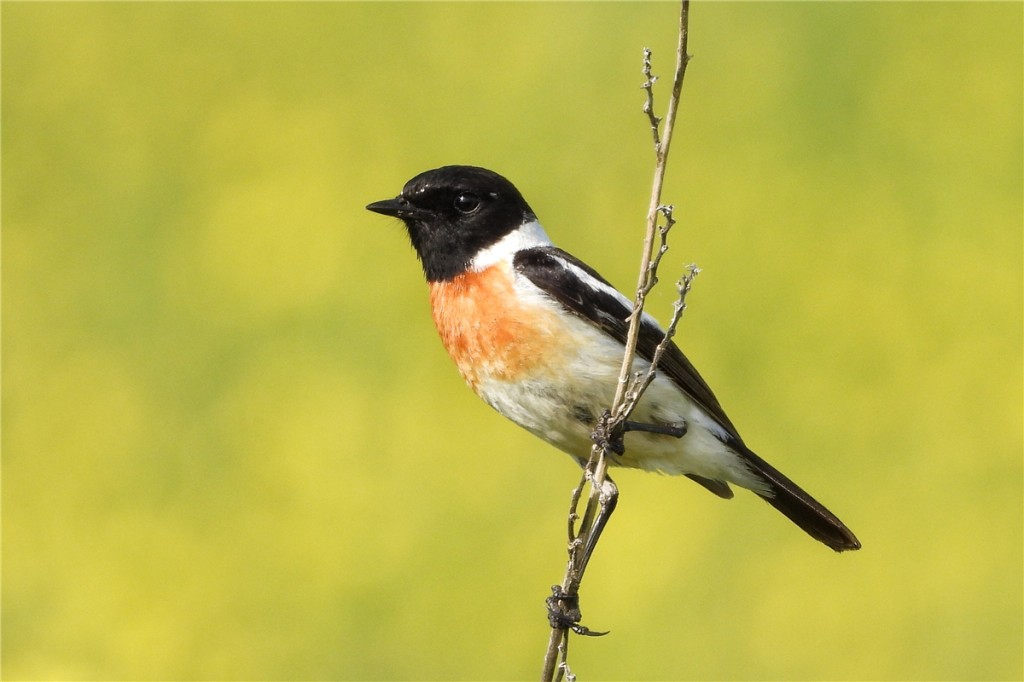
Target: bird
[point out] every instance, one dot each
(540, 335)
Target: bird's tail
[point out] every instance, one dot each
(801, 508)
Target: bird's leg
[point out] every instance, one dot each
(676, 431)
(607, 498)
(564, 604)
(611, 440)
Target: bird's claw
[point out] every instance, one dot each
(564, 612)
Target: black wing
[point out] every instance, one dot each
(609, 311)
(548, 268)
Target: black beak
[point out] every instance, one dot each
(397, 207)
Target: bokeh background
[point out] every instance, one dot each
(233, 447)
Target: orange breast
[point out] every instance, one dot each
(488, 332)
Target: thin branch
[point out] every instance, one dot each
(652, 270)
(563, 604)
(683, 288)
(661, 161)
(648, 86)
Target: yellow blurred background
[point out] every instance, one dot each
(233, 447)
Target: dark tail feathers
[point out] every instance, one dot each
(801, 508)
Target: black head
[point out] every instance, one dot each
(453, 212)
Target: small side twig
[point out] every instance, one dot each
(563, 605)
(663, 230)
(683, 288)
(661, 149)
(648, 86)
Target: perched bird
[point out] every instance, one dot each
(539, 335)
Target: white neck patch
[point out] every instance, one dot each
(527, 235)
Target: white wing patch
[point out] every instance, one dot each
(598, 285)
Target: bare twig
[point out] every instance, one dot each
(648, 87)
(663, 230)
(661, 148)
(683, 287)
(563, 604)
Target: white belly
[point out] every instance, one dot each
(561, 405)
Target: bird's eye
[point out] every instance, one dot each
(467, 202)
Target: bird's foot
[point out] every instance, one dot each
(564, 612)
(609, 440)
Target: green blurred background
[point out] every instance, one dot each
(233, 447)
